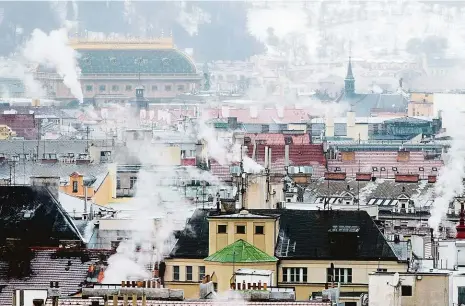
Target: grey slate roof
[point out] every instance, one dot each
(421, 193)
(25, 169)
(51, 146)
(363, 104)
(33, 215)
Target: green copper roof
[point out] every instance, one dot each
(244, 252)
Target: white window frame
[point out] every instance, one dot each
(342, 275)
(295, 275)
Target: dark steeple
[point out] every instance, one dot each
(349, 81)
(140, 101)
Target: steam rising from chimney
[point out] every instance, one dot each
(52, 51)
(450, 180)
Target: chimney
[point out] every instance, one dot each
(232, 123)
(286, 155)
(225, 111)
(253, 112)
(461, 227)
(280, 111)
(266, 158)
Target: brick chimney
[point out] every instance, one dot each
(461, 227)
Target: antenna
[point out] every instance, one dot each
(350, 48)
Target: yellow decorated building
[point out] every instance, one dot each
(111, 70)
(303, 249)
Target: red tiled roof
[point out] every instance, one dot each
(299, 155)
(220, 171)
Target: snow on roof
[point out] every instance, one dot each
(75, 206)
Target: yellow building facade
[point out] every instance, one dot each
(280, 241)
(421, 104)
(98, 190)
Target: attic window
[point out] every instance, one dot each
(259, 230)
(222, 229)
(240, 229)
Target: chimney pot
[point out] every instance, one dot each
(461, 227)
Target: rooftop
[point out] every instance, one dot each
(117, 61)
(29, 209)
(240, 252)
(303, 234)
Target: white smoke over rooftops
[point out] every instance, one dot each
(450, 180)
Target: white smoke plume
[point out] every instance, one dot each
(52, 51)
(223, 150)
(190, 19)
(158, 211)
(450, 179)
(15, 69)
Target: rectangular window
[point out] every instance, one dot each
(175, 273)
(115, 88)
(167, 87)
(75, 186)
(259, 230)
(118, 183)
(201, 273)
(89, 88)
(406, 290)
(132, 181)
(180, 87)
(295, 275)
(240, 229)
(128, 88)
(341, 275)
(154, 88)
(188, 273)
(222, 229)
(102, 88)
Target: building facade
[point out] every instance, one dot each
(305, 250)
(111, 70)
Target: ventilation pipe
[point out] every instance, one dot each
(267, 162)
(286, 155)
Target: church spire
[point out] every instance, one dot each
(349, 82)
(350, 75)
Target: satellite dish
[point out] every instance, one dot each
(396, 280)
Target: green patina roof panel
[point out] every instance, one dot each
(240, 252)
(163, 61)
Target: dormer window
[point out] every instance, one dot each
(222, 229)
(240, 229)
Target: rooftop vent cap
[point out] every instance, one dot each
(244, 212)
